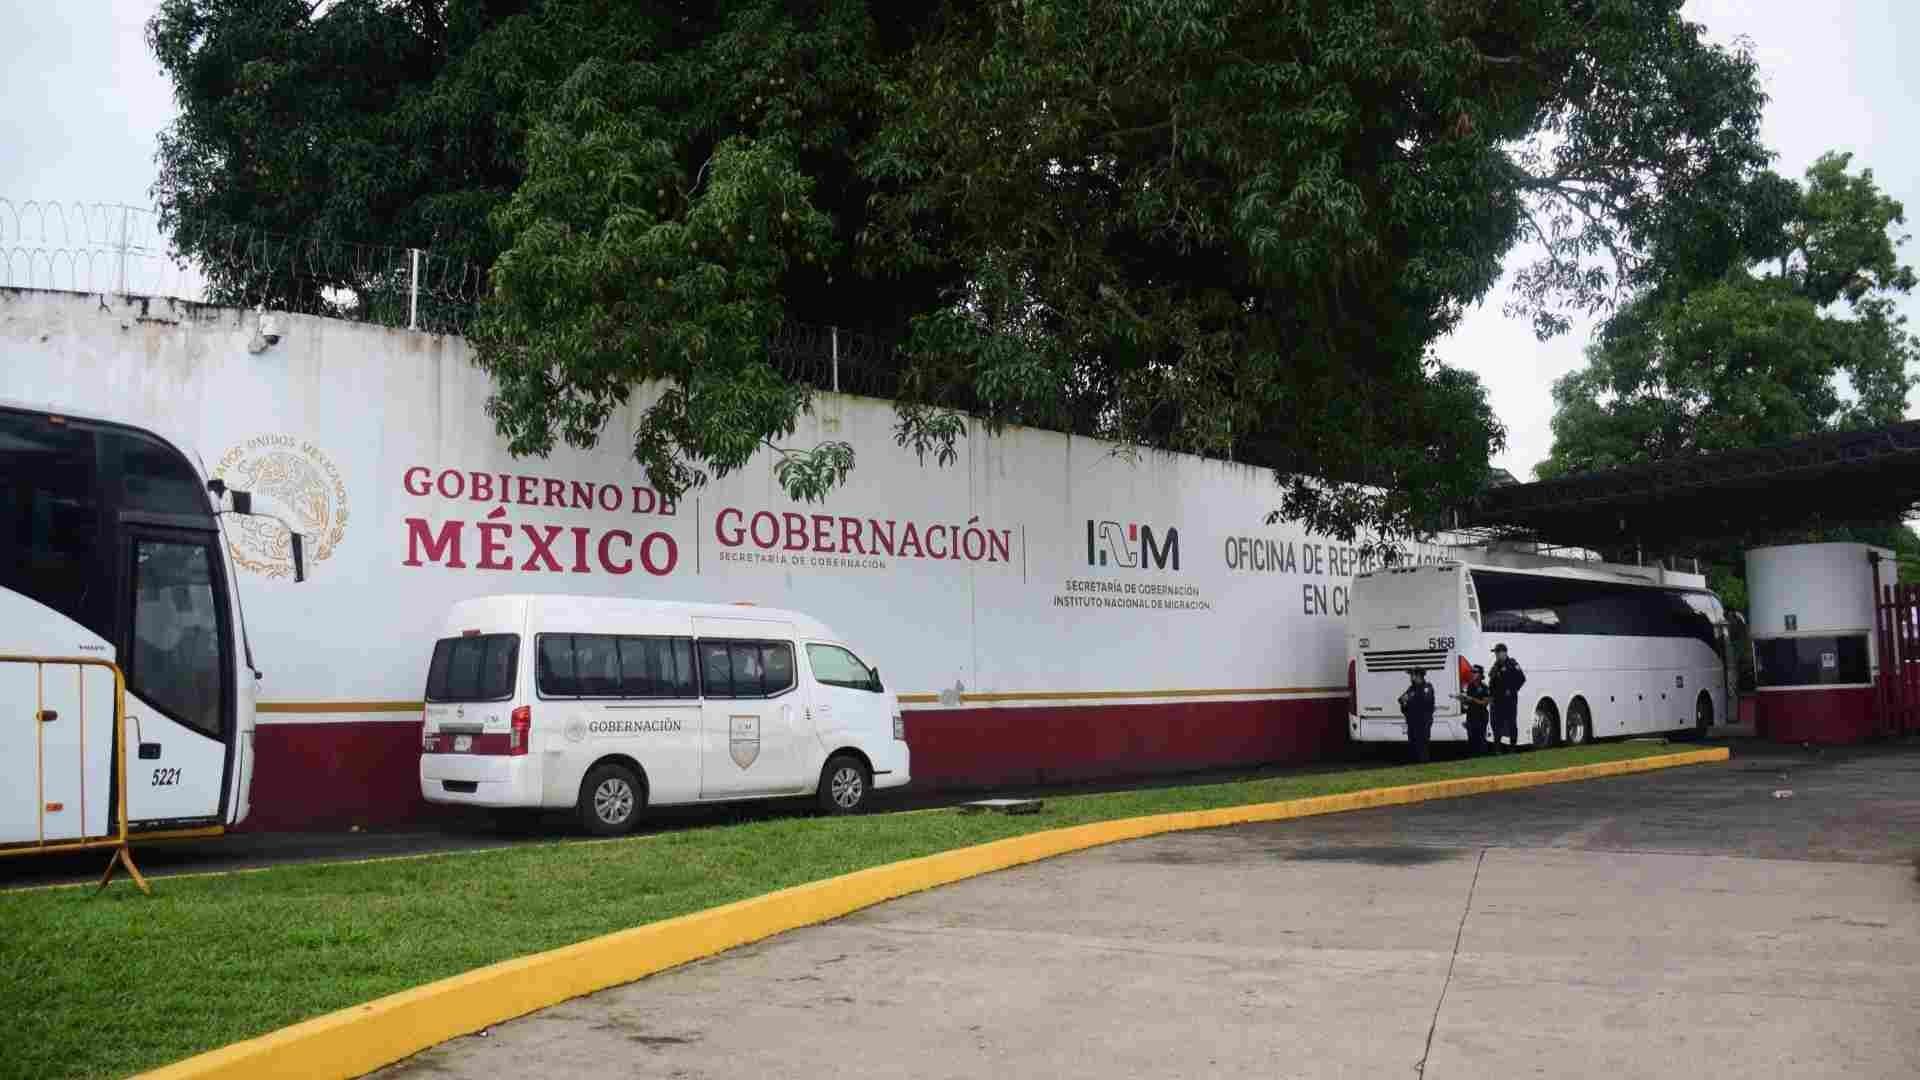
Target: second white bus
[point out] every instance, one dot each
(1607, 652)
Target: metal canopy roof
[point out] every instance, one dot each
(1853, 477)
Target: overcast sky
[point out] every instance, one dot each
(81, 100)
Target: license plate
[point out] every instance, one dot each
(462, 743)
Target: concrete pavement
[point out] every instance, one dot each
(1679, 924)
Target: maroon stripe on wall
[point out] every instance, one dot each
(959, 749)
(314, 777)
(1817, 716)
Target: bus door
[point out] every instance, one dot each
(179, 669)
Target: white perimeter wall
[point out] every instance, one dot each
(346, 425)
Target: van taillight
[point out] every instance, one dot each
(522, 730)
(1466, 673)
(1353, 691)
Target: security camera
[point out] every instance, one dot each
(270, 329)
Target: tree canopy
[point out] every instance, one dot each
(1771, 319)
(1746, 340)
(1227, 227)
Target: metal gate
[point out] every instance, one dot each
(1897, 690)
(44, 719)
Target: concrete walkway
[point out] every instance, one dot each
(1681, 924)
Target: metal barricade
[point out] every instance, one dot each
(42, 716)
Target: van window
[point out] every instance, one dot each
(776, 668)
(615, 666)
(716, 670)
(554, 674)
(478, 668)
(835, 666)
(657, 667)
(745, 669)
(596, 665)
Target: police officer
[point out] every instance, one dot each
(1416, 705)
(1476, 698)
(1505, 680)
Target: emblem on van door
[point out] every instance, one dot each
(745, 742)
(576, 729)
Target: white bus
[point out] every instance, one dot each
(1608, 651)
(606, 706)
(112, 555)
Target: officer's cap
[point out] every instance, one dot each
(1478, 670)
(1502, 647)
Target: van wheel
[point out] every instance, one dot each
(610, 800)
(845, 785)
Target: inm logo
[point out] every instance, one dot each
(1133, 545)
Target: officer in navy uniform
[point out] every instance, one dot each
(1416, 705)
(1476, 698)
(1505, 680)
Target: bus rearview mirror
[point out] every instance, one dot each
(299, 557)
(242, 501)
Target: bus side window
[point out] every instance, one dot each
(153, 477)
(50, 520)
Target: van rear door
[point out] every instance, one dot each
(470, 685)
(1407, 618)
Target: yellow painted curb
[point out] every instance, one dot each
(358, 1040)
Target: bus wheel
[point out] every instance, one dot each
(1579, 724)
(1546, 724)
(844, 785)
(609, 800)
(1702, 716)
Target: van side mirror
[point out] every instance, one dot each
(877, 688)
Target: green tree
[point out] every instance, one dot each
(1748, 343)
(306, 128)
(1229, 227)
(1772, 319)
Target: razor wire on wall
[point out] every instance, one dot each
(113, 248)
(117, 249)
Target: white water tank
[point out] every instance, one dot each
(1811, 613)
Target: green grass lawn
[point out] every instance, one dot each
(108, 985)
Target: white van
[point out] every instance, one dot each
(610, 705)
